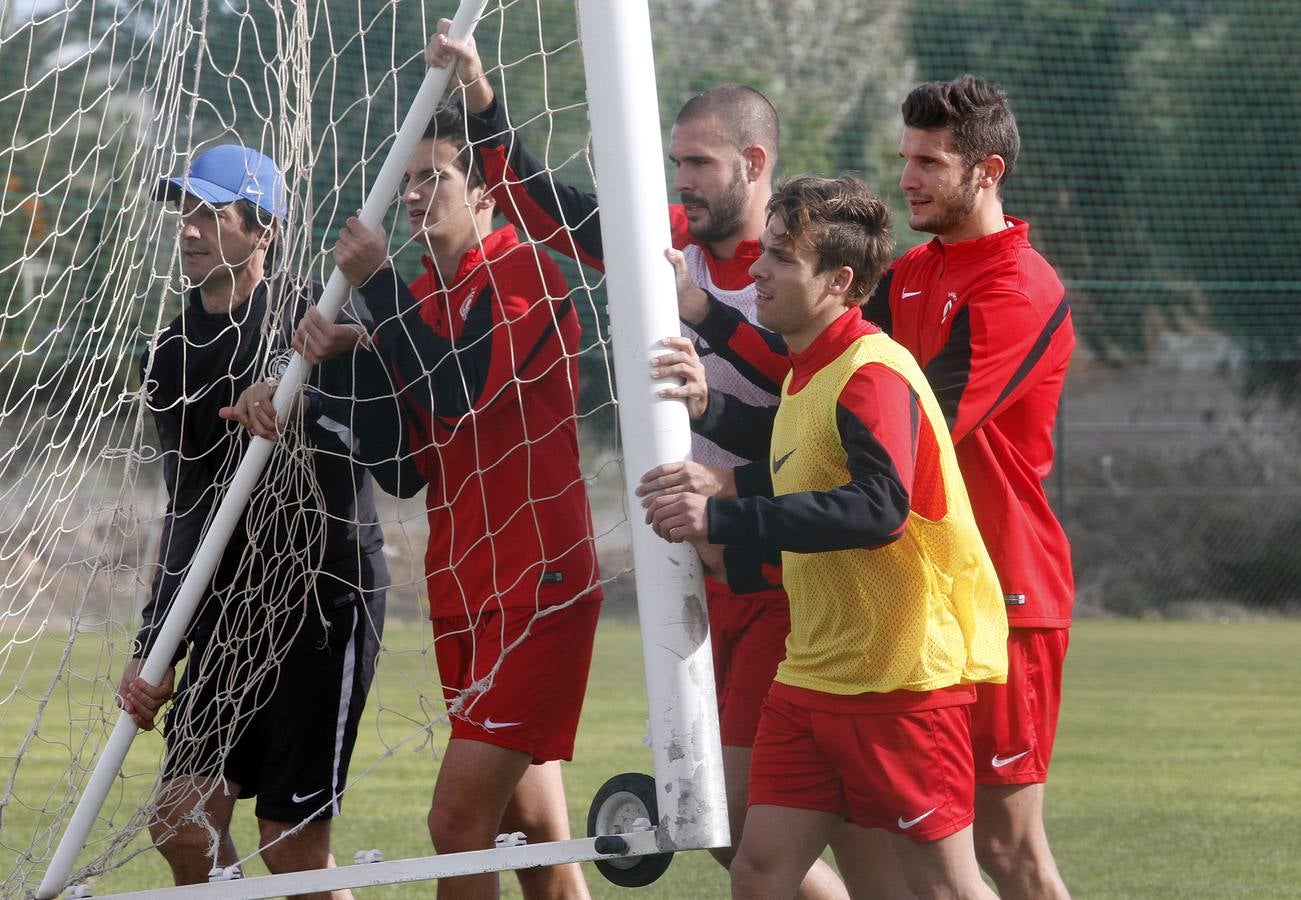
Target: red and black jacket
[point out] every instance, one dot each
(485, 367)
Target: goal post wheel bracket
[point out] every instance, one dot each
(226, 873)
(610, 843)
(625, 804)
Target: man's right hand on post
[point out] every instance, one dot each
(682, 362)
(360, 251)
(442, 52)
(685, 477)
(318, 340)
(693, 302)
(138, 698)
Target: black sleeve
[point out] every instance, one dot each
(410, 349)
(867, 512)
(563, 217)
(350, 407)
(877, 308)
(736, 426)
(759, 355)
(754, 479)
(752, 569)
(180, 539)
(188, 508)
(373, 420)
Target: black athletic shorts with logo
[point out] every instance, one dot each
(282, 733)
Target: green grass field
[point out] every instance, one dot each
(1177, 772)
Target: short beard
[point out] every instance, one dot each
(960, 204)
(726, 212)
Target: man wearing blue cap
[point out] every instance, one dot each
(281, 650)
(233, 203)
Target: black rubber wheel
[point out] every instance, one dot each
(620, 802)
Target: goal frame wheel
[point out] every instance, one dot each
(617, 805)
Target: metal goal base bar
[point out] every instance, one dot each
(400, 871)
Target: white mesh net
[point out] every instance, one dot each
(98, 101)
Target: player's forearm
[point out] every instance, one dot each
(368, 406)
(409, 348)
(736, 426)
(854, 516)
(479, 96)
(563, 217)
(753, 479)
(176, 547)
(760, 356)
(381, 446)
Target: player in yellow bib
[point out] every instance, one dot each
(896, 611)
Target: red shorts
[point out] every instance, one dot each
(749, 641)
(533, 700)
(1013, 725)
(907, 772)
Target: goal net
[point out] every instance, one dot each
(97, 102)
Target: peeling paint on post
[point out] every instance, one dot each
(628, 157)
(684, 721)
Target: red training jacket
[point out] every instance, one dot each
(487, 373)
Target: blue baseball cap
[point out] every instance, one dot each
(228, 173)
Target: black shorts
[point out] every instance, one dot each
(282, 732)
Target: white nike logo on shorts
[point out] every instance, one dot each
(493, 726)
(305, 797)
(907, 294)
(905, 824)
(999, 761)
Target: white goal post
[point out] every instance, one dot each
(683, 723)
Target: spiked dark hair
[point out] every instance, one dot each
(977, 113)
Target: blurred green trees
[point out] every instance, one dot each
(1159, 167)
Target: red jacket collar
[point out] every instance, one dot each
(733, 273)
(493, 247)
(1018, 234)
(828, 345)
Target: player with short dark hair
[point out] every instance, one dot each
(895, 612)
(279, 657)
(724, 147)
(988, 319)
(976, 113)
(482, 347)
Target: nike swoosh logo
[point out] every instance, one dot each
(905, 824)
(296, 798)
(778, 463)
(907, 294)
(493, 726)
(999, 761)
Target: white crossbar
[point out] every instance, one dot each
(401, 871)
